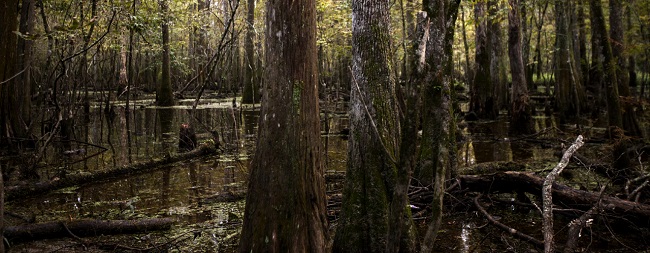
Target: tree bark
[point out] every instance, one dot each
(165, 96)
(285, 204)
(251, 86)
(8, 24)
(438, 125)
(630, 122)
(605, 64)
(521, 119)
(483, 101)
(84, 228)
(569, 95)
(374, 133)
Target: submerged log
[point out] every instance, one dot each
(84, 228)
(22, 191)
(564, 195)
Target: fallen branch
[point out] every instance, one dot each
(22, 191)
(513, 181)
(514, 232)
(547, 196)
(84, 228)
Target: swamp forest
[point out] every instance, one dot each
(325, 126)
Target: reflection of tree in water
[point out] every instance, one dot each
(165, 119)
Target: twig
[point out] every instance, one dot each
(504, 227)
(547, 197)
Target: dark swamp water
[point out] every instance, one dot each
(183, 190)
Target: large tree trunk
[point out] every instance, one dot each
(285, 205)
(568, 92)
(483, 100)
(21, 97)
(8, 24)
(374, 133)
(165, 96)
(630, 122)
(251, 86)
(521, 120)
(605, 64)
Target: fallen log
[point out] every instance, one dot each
(22, 191)
(512, 181)
(84, 228)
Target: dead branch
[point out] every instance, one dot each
(82, 228)
(504, 227)
(21, 191)
(547, 196)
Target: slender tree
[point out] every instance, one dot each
(285, 204)
(438, 127)
(165, 96)
(521, 120)
(374, 134)
(251, 85)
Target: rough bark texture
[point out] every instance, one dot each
(547, 195)
(568, 91)
(374, 133)
(251, 86)
(165, 96)
(8, 18)
(437, 148)
(521, 120)
(605, 64)
(58, 229)
(285, 205)
(630, 122)
(482, 102)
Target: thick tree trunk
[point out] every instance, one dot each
(285, 205)
(568, 91)
(8, 24)
(374, 133)
(521, 120)
(605, 64)
(83, 228)
(483, 101)
(630, 122)
(165, 96)
(21, 97)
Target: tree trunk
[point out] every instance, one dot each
(438, 126)
(605, 64)
(497, 63)
(8, 18)
(568, 92)
(630, 122)
(251, 86)
(21, 97)
(82, 228)
(285, 204)
(374, 133)
(165, 96)
(483, 101)
(521, 120)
